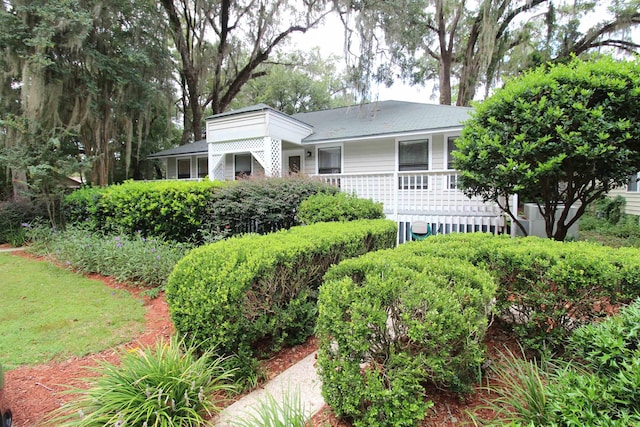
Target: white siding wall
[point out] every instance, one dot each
(632, 206)
(369, 156)
(438, 152)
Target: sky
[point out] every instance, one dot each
(329, 37)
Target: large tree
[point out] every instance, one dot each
(465, 44)
(560, 136)
(222, 43)
(88, 74)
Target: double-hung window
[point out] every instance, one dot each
(452, 180)
(330, 160)
(413, 156)
(184, 168)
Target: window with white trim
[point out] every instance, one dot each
(242, 165)
(330, 160)
(633, 185)
(452, 180)
(184, 168)
(413, 155)
(203, 167)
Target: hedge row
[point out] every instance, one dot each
(249, 295)
(173, 209)
(546, 288)
(390, 322)
(189, 211)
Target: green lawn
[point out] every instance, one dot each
(48, 313)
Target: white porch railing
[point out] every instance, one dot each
(432, 197)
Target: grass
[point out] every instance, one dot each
(50, 314)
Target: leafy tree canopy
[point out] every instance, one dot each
(560, 135)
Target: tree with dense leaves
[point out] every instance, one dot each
(298, 82)
(471, 44)
(222, 43)
(83, 80)
(559, 136)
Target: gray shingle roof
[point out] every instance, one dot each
(381, 118)
(358, 121)
(199, 147)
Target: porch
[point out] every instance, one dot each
(432, 197)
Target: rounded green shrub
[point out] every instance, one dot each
(249, 295)
(337, 207)
(546, 288)
(390, 322)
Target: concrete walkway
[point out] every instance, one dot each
(301, 378)
(12, 249)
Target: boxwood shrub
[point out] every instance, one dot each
(249, 295)
(546, 288)
(173, 209)
(390, 322)
(337, 207)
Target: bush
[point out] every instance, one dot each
(546, 288)
(172, 209)
(337, 207)
(14, 216)
(161, 386)
(249, 295)
(260, 206)
(137, 260)
(388, 323)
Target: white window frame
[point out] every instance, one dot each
(206, 171)
(178, 159)
(637, 185)
(415, 182)
(452, 180)
(324, 147)
(250, 163)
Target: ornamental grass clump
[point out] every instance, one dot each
(166, 385)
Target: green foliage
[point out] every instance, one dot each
(49, 313)
(172, 209)
(560, 135)
(337, 207)
(249, 295)
(546, 288)
(625, 231)
(16, 217)
(139, 260)
(261, 205)
(289, 412)
(168, 385)
(389, 322)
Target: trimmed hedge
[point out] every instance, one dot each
(546, 288)
(388, 323)
(249, 295)
(337, 207)
(261, 206)
(172, 209)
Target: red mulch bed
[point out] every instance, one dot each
(33, 392)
